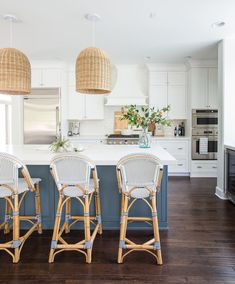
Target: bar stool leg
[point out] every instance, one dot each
(88, 243)
(38, 208)
(7, 218)
(56, 230)
(157, 244)
(68, 215)
(16, 229)
(97, 201)
(123, 227)
(98, 211)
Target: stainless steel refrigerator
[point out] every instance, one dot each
(42, 116)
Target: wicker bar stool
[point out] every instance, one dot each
(72, 176)
(139, 178)
(14, 189)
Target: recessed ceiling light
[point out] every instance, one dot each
(219, 24)
(12, 18)
(152, 15)
(93, 17)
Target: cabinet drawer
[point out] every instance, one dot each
(174, 147)
(180, 166)
(204, 167)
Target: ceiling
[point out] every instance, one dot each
(56, 29)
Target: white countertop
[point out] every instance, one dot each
(102, 137)
(99, 153)
(229, 147)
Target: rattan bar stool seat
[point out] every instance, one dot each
(22, 187)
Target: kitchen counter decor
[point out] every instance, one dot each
(144, 117)
(60, 145)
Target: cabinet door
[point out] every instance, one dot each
(158, 96)
(176, 78)
(213, 87)
(51, 78)
(76, 104)
(158, 78)
(94, 106)
(199, 87)
(36, 80)
(177, 101)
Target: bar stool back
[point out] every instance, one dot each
(13, 189)
(139, 177)
(72, 177)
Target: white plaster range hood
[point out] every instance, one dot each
(130, 86)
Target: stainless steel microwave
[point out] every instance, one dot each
(204, 118)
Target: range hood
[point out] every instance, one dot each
(130, 87)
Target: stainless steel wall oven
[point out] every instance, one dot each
(204, 134)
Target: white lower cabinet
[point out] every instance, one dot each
(178, 149)
(206, 168)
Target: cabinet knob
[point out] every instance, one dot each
(165, 148)
(214, 167)
(180, 148)
(199, 167)
(180, 165)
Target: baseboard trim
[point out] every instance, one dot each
(220, 193)
(179, 174)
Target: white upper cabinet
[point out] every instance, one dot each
(85, 107)
(94, 106)
(213, 87)
(176, 78)
(46, 78)
(158, 78)
(177, 101)
(169, 88)
(158, 96)
(203, 86)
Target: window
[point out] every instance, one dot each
(5, 119)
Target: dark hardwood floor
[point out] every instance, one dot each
(199, 247)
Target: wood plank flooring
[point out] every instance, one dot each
(199, 247)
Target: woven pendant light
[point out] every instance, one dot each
(93, 67)
(93, 72)
(15, 72)
(15, 69)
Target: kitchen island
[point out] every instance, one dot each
(37, 158)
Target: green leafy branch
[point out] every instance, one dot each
(145, 116)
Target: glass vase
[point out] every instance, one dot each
(145, 139)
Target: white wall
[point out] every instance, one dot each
(226, 85)
(100, 127)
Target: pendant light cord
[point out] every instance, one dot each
(11, 33)
(93, 33)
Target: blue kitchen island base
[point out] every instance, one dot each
(109, 195)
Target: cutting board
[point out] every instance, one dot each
(119, 124)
